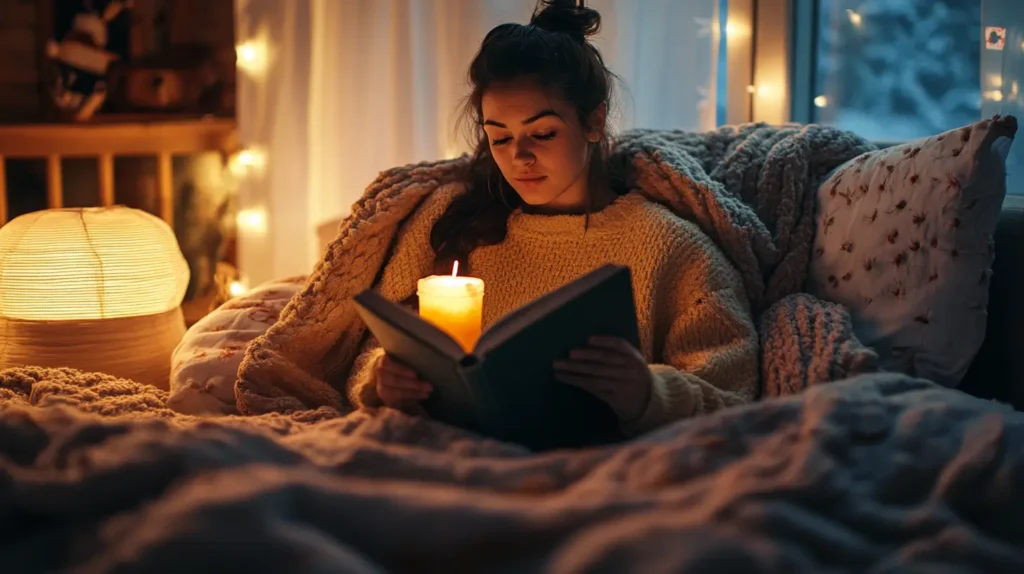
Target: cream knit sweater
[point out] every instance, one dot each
(696, 328)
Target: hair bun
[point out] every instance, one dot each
(568, 17)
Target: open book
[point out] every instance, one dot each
(505, 388)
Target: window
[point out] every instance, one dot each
(895, 70)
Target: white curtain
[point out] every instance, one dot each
(331, 92)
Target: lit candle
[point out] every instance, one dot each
(454, 304)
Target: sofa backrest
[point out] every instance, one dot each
(998, 370)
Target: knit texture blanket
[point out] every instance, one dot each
(751, 188)
(879, 473)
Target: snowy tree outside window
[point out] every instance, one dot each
(896, 70)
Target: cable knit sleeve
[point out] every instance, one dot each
(706, 344)
(361, 386)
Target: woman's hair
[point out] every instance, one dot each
(553, 52)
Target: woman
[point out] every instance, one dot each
(539, 211)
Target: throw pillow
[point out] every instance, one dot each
(904, 241)
(204, 366)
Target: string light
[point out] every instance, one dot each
(821, 101)
(736, 30)
(237, 289)
(248, 160)
(252, 220)
(994, 95)
(855, 18)
(252, 57)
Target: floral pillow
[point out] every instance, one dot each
(904, 241)
(204, 366)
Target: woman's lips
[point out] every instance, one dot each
(532, 179)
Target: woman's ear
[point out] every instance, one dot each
(596, 123)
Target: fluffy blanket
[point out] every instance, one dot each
(879, 473)
(752, 188)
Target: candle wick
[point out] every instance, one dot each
(455, 269)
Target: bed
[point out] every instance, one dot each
(839, 468)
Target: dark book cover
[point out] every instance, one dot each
(506, 387)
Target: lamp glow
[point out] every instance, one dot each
(95, 289)
(90, 263)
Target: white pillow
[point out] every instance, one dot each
(904, 241)
(204, 366)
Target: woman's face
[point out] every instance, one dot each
(539, 145)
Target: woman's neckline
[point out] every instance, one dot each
(611, 218)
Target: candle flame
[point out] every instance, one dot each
(455, 269)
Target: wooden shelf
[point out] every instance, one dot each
(105, 139)
(140, 136)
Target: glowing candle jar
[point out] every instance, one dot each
(453, 304)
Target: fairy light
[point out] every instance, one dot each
(736, 30)
(247, 161)
(252, 220)
(236, 289)
(821, 101)
(855, 18)
(252, 57)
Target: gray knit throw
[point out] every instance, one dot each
(753, 189)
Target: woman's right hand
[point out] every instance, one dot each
(399, 387)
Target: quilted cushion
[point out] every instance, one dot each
(204, 366)
(905, 242)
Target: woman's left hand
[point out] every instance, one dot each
(613, 370)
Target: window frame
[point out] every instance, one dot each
(740, 56)
(773, 61)
(804, 58)
(785, 35)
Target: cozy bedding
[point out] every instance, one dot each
(879, 473)
(872, 472)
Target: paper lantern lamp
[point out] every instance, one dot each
(96, 289)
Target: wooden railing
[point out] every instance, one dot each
(105, 141)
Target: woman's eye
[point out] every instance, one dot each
(501, 141)
(545, 137)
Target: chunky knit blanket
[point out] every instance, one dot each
(751, 188)
(879, 473)
(876, 473)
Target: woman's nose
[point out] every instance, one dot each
(524, 152)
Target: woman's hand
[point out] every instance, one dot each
(399, 387)
(613, 370)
